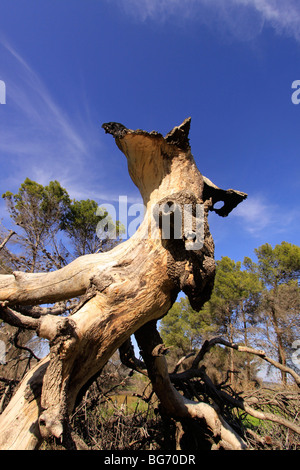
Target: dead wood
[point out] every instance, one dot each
(176, 405)
(257, 352)
(126, 288)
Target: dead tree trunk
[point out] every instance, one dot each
(124, 289)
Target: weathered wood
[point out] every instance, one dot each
(19, 420)
(133, 284)
(173, 403)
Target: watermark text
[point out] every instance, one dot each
(2, 92)
(2, 352)
(296, 353)
(296, 94)
(167, 221)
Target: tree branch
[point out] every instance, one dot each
(48, 326)
(23, 348)
(37, 311)
(14, 318)
(173, 403)
(221, 397)
(184, 358)
(239, 403)
(6, 239)
(129, 360)
(257, 352)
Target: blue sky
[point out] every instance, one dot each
(70, 65)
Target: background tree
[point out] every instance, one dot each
(7, 237)
(279, 271)
(233, 304)
(37, 211)
(231, 312)
(50, 230)
(184, 329)
(82, 224)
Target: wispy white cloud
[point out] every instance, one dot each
(256, 214)
(244, 19)
(30, 95)
(284, 16)
(36, 134)
(259, 216)
(43, 141)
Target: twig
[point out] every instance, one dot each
(17, 319)
(184, 358)
(129, 360)
(239, 403)
(6, 239)
(23, 348)
(257, 352)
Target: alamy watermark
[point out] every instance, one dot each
(296, 353)
(175, 221)
(2, 352)
(296, 94)
(2, 92)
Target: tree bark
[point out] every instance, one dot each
(280, 347)
(134, 284)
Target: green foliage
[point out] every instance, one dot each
(37, 210)
(183, 327)
(255, 303)
(235, 297)
(278, 265)
(233, 304)
(230, 312)
(81, 224)
(279, 270)
(53, 227)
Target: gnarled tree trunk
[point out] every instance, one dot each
(126, 290)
